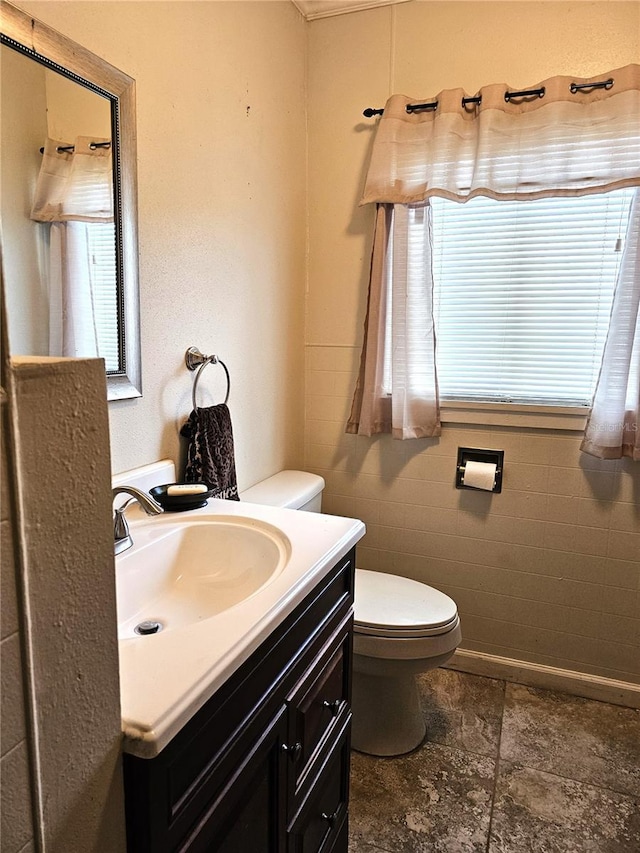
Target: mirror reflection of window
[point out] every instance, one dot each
(74, 198)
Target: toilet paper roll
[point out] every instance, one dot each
(479, 475)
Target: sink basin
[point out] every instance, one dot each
(219, 579)
(180, 573)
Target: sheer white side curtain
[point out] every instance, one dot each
(74, 189)
(574, 140)
(400, 275)
(613, 427)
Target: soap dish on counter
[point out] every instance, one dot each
(180, 497)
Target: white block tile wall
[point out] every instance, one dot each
(17, 822)
(548, 571)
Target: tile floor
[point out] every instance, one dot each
(505, 769)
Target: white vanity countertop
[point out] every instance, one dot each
(165, 678)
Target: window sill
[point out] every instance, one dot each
(509, 415)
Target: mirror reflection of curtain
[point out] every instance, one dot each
(74, 194)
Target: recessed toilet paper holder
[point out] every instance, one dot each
(471, 454)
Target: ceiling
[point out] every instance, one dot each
(312, 9)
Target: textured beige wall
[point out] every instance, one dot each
(221, 153)
(68, 607)
(549, 570)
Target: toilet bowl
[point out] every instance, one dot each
(401, 629)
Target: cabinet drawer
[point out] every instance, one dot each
(322, 816)
(318, 706)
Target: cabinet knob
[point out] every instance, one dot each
(334, 706)
(330, 818)
(293, 751)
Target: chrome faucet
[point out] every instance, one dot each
(121, 536)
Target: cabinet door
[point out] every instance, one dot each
(318, 706)
(249, 813)
(320, 825)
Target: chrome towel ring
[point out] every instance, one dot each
(194, 359)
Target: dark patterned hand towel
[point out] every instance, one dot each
(210, 456)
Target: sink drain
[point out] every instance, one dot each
(148, 627)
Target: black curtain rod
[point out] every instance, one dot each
(92, 146)
(508, 96)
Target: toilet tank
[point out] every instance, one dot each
(288, 489)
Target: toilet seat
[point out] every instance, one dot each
(396, 607)
(405, 633)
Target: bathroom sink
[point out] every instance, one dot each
(219, 580)
(182, 572)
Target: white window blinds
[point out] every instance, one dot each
(522, 295)
(101, 248)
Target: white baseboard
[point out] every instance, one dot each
(548, 677)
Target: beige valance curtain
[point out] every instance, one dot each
(570, 142)
(525, 148)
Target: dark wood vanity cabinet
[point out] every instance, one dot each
(263, 766)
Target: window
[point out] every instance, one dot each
(487, 295)
(522, 295)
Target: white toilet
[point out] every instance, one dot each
(401, 628)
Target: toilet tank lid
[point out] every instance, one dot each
(288, 489)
